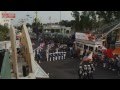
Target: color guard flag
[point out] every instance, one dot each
(88, 58)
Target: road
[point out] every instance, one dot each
(64, 69)
(68, 69)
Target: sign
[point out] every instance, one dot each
(8, 15)
(81, 36)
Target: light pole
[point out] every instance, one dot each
(36, 24)
(60, 15)
(50, 23)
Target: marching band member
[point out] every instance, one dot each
(53, 56)
(80, 72)
(59, 55)
(50, 55)
(89, 72)
(85, 72)
(62, 55)
(56, 55)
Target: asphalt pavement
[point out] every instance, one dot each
(68, 69)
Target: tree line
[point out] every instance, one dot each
(84, 20)
(90, 20)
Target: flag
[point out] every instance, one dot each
(88, 58)
(104, 48)
(109, 53)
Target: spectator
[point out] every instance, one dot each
(118, 66)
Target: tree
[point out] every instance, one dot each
(37, 27)
(76, 15)
(3, 33)
(105, 16)
(67, 23)
(85, 21)
(88, 20)
(93, 19)
(116, 14)
(28, 25)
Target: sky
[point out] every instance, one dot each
(43, 16)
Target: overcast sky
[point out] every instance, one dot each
(44, 16)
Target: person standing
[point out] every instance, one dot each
(40, 55)
(47, 52)
(118, 65)
(85, 72)
(80, 72)
(89, 75)
(81, 54)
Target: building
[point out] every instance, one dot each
(56, 28)
(7, 44)
(6, 17)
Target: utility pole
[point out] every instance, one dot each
(60, 16)
(60, 21)
(50, 23)
(36, 17)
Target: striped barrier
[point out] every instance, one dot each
(57, 56)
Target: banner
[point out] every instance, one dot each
(88, 58)
(8, 15)
(81, 36)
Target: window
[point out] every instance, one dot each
(67, 31)
(85, 47)
(90, 48)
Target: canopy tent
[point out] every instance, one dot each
(117, 51)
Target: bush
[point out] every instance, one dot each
(4, 33)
